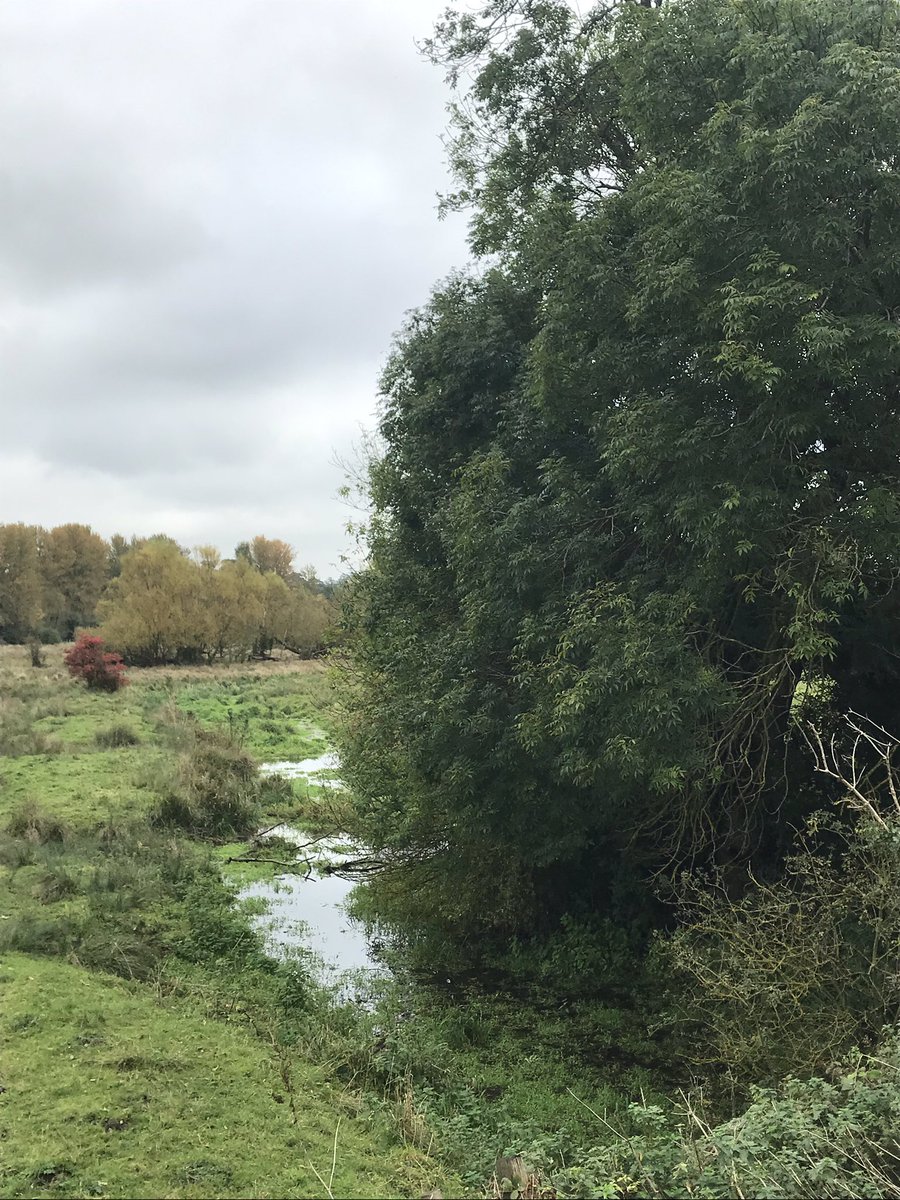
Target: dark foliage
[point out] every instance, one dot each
(638, 502)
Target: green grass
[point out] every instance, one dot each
(52, 728)
(109, 1092)
(84, 787)
(283, 717)
(78, 729)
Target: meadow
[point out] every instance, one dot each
(149, 1047)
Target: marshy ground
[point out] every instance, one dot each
(127, 1068)
(151, 1046)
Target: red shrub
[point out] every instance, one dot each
(98, 668)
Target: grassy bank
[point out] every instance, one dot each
(111, 1089)
(149, 1047)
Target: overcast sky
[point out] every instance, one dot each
(213, 216)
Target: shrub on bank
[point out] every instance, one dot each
(89, 661)
(216, 792)
(142, 899)
(818, 1137)
(799, 970)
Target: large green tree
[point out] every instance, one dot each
(641, 476)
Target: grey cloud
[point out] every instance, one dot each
(212, 218)
(71, 218)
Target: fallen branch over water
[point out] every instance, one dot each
(354, 867)
(261, 837)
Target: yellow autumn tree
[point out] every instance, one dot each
(73, 565)
(153, 611)
(20, 582)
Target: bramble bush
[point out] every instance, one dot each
(100, 669)
(790, 976)
(830, 1138)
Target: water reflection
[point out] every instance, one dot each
(312, 769)
(307, 910)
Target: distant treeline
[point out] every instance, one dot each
(155, 601)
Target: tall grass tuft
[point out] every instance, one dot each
(115, 737)
(57, 882)
(216, 792)
(32, 823)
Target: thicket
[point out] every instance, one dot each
(808, 1139)
(635, 519)
(800, 969)
(637, 509)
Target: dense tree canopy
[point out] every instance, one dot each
(20, 582)
(74, 565)
(640, 479)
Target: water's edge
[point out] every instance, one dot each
(305, 909)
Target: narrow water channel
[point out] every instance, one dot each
(306, 909)
(319, 771)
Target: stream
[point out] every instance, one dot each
(319, 771)
(307, 911)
